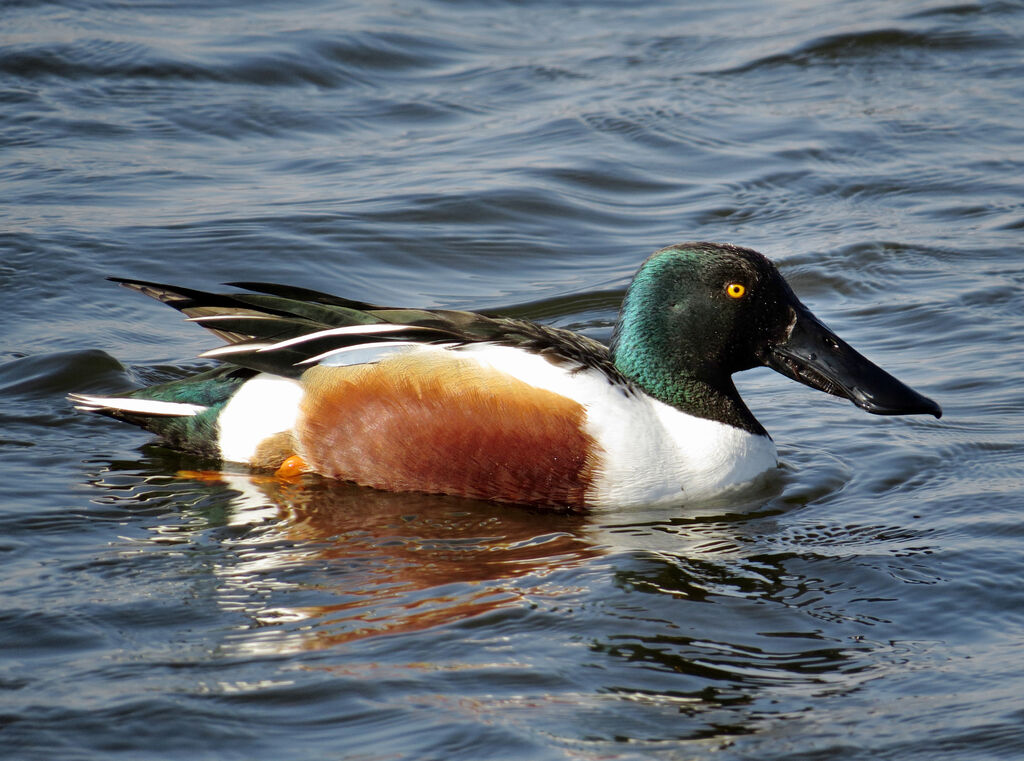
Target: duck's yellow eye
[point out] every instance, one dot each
(735, 290)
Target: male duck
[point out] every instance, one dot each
(503, 409)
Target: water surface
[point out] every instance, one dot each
(523, 157)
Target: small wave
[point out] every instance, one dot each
(60, 372)
(282, 60)
(849, 47)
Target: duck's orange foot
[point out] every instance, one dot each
(293, 467)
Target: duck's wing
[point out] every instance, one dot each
(284, 329)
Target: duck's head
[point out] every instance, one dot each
(698, 312)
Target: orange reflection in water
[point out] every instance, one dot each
(379, 563)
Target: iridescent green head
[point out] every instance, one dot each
(698, 312)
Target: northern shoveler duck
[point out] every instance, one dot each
(503, 409)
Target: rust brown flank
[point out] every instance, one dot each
(443, 424)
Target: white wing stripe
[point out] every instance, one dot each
(348, 330)
(213, 317)
(243, 348)
(359, 347)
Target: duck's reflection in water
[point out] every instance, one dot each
(315, 563)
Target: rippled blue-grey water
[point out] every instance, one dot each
(525, 157)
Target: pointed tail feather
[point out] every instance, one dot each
(123, 406)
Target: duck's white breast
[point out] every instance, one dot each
(654, 453)
(649, 452)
